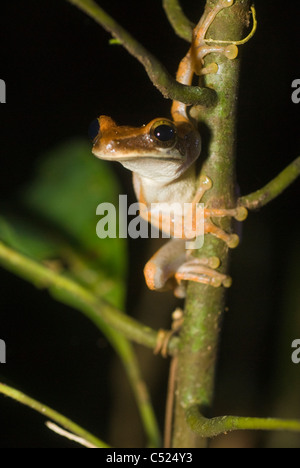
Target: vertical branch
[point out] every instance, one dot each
(205, 304)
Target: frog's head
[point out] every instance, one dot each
(161, 150)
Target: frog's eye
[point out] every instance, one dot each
(164, 131)
(94, 129)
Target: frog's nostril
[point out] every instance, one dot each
(94, 129)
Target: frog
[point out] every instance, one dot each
(162, 157)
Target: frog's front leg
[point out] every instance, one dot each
(208, 226)
(173, 264)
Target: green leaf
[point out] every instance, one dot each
(71, 183)
(27, 238)
(60, 223)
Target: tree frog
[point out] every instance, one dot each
(161, 156)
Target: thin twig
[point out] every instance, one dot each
(242, 41)
(180, 23)
(273, 189)
(68, 435)
(170, 403)
(157, 73)
(116, 326)
(129, 359)
(213, 427)
(72, 293)
(51, 414)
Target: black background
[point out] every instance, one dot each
(60, 74)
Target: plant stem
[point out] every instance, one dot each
(273, 189)
(157, 73)
(53, 415)
(204, 304)
(129, 359)
(181, 24)
(68, 291)
(107, 318)
(216, 426)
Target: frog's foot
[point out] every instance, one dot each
(239, 213)
(164, 336)
(162, 342)
(201, 48)
(201, 270)
(172, 265)
(232, 240)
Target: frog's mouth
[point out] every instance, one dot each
(162, 166)
(138, 157)
(133, 149)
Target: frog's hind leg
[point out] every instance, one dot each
(161, 268)
(193, 62)
(172, 265)
(200, 49)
